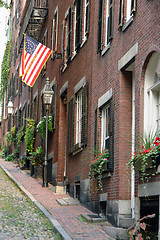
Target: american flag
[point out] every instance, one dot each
(34, 57)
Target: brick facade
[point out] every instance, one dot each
(119, 64)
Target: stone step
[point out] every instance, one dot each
(126, 222)
(116, 233)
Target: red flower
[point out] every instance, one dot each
(156, 143)
(157, 139)
(146, 151)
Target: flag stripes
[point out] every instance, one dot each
(35, 56)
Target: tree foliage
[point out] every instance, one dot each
(3, 4)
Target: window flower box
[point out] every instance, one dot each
(147, 160)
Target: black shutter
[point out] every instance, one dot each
(64, 47)
(71, 109)
(110, 20)
(96, 132)
(70, 33)
(100, 25)
(78, 23)
(87, 17)
(42, 107)
(121, 13)
(84, 115)
(53, 107)
(111, 138)
(133, 6)
(52, 39)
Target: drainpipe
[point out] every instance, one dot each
(133, 147)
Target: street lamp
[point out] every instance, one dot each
(10, 107)
(47, 100)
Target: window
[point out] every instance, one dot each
(105, 24)
(24, 114)
(105, 127)
(54, 33)
(152, 96)
(77, 112)
(126, 11)
(36, 108)
(67, 37)
(75, 29)
(78, 117)
(86, 17)
(53, 106)
(44, 42)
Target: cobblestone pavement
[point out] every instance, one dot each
(66, 219)
(19, 218)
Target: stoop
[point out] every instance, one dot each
(115, 232)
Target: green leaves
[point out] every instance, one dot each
(5, 70)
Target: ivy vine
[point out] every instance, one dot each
(5, 69)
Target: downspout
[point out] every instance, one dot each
(133, 147)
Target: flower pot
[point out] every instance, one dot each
(31, 169)
(139, 163)
(38, 170)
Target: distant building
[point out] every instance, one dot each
(105, 74)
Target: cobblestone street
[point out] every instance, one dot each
(19, 217)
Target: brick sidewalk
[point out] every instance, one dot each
(66, 218)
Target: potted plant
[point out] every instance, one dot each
(139, 231)
(147, 159)
(41, 126)
(96, 168)
(36, 159)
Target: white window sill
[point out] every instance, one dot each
(73, 56)
(127, 24)
(78, 149)
(83, 41)
(64, 67)
(105, 49)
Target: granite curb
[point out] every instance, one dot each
(57, 227)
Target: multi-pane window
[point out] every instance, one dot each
(67, 36)
(54, 33)
(104, 131)
(105, 127)
(77, 113)
(75, 28)
(158, 110)
(152, 97)
(126, 11)
(44, 42)
(36, 108)
(105, 24)
(86, 17)
(78, 117)
(53, 106)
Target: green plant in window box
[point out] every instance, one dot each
(96, 168)
(41, 126)
(147, 159)
(30, 135)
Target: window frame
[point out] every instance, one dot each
(127, 10)
(76, 142)
(54, 34)
(105, 25)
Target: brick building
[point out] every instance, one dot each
(105, 72)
